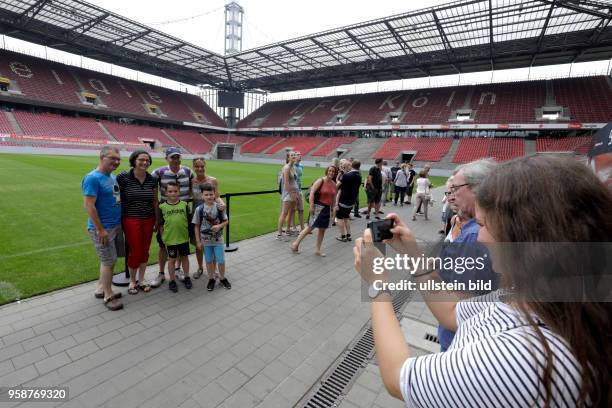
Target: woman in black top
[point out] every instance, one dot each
(139, 209)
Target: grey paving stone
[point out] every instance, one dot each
(292, 389)
(361, 396)
(18, 337)
(260, 386)
(231, 380)
(6, 367)
(250, 365)
(29, 357)
(241, 399)
(108, 339)
(52, 363)
(60, 345)
(82, 350)
(210, 396)
(11, 351)
(87, 334)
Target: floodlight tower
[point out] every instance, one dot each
(233, 28)
(234, 14)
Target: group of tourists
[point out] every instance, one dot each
(181, 204)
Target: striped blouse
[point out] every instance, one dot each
(494, 361)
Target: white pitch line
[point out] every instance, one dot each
(38, 251)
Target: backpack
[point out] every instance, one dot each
(317, 193)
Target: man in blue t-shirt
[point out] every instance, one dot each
(466, 179)
(103, 205)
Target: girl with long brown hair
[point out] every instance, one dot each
(544, 338)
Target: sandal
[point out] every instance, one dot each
(113, 304)
(133, 290)
(146, 288)
(100, 295)
(295, 249)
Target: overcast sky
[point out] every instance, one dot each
(268, 21)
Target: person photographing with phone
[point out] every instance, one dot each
(513, 347)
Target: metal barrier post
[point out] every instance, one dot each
(123, 279)
(228, 247)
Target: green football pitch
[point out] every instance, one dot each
(43, 240)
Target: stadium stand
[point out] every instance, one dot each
(588, 100)
(191, 141)
(134, 133)
(303, 144)
(500, 149)
(5, 125)
(578, 144)
(37, 79)
(331, 144)
(259, 144)
(49, 124)
(508, 102)
(427, 149)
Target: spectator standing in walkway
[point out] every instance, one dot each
(139, 216)
(400, 183)
(411, 179)
(423, 194)
(299, 204)
(103, 205)
(322, 199)
(425, 170)
(373, 188)
(394, 171)
(181, 175)
(289, 193)
(200, 178)
(387, 180)
(348, 190)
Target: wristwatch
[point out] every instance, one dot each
(373, 293)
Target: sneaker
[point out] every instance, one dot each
(348, 237)
(198, 273)
(225, 283)
(173, 286)
(211, 285)
(180, 274)
(341, 239)
(368, 217)
(357, 216)
(380, 212)
(187, 282)
(158, 280)
(377, 217)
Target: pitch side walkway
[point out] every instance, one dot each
(263, 343)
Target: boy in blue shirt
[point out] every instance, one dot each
(210, 221)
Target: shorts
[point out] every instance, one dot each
(174, 251)
(107, 253)
(299, 205)
(374, 196)
(343, 212)
(214, 253)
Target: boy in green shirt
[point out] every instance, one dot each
(174, 230)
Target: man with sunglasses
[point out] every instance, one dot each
(462, 191)
(103, 206)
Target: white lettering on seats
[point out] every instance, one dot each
(484, 95)
(21, 69)
(337, 108)
(57, 78)
(423, 101)
(450, 99)
(390, 99)
(154, 97)
(320, 105)
(295, 111)
(98, 86)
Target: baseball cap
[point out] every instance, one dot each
(172, 151)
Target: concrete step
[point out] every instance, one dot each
(11, 118)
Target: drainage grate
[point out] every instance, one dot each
(344, 371)
(432, 338)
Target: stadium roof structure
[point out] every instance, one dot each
(459, 37)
